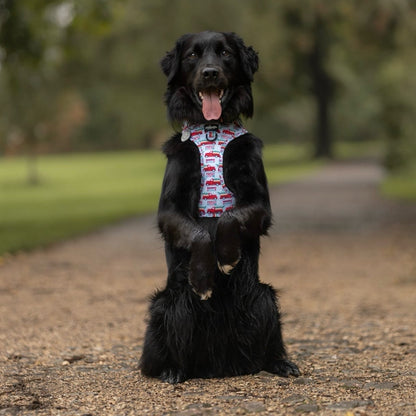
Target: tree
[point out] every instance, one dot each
(314, 61)
(329, 70)
(28, 66)
(32, 62)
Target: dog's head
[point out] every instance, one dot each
(209, 78)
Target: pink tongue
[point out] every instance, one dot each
(211, 106)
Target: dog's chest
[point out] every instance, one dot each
(215, 197)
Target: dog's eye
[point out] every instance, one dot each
(193, 55)
(225, 53)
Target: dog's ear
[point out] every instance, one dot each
(171, 62)
(248, 56)
(250, 61)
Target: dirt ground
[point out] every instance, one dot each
(72, 317)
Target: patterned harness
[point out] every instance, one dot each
(211, 140)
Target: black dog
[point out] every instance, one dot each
(214, 318)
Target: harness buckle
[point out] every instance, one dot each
(211, 132)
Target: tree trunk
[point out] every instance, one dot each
(32, 170)
(31, 157)
(322, 90)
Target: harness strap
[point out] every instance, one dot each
(211, 140)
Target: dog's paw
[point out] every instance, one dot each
(173, 376)
(227, 244)
(202, 268)
(227, 268)
(201, 286)
(284, 368)
(204, 295)
(201, 280)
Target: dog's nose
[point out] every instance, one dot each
(210, 73)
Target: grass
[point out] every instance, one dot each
(80, 193)
(401, 185)
(371, 149)
(76, 194)
(287, 162)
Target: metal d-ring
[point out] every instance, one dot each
(211, 132)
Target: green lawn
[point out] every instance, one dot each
(401, 185)
(373, 149)
(79, 193)
(287, 162)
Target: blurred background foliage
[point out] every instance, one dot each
(336, 80)
(81, 75)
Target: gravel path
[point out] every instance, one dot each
(72, 316)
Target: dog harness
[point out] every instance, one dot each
(211, 140)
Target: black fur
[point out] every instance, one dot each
(237, 330)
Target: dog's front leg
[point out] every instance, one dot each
(250, 221)
(182, 232)
(202, 265)
(228, 242)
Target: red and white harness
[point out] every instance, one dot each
(211, 140)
